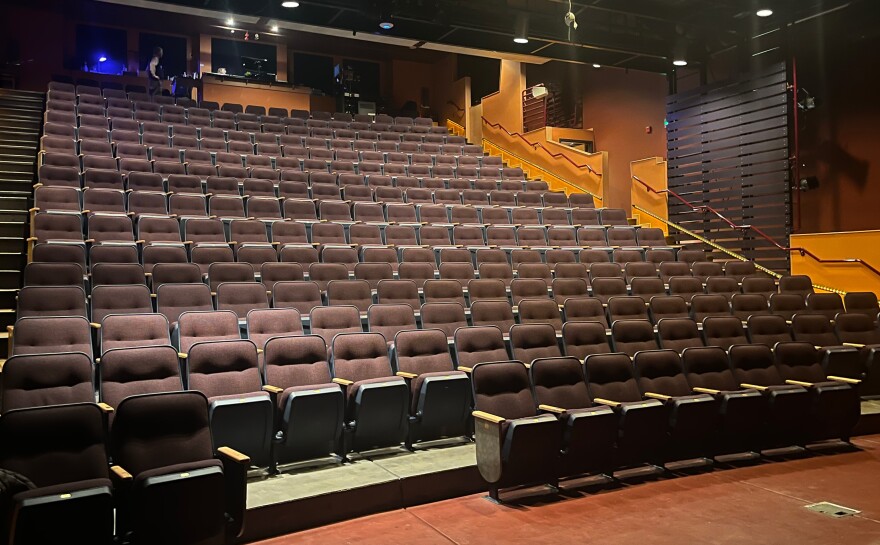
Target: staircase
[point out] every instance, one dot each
(21, 114)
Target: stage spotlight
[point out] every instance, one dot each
(764, 12)
(289, 4)
(521, 30)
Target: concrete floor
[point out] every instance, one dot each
(760, 504)
(298, 482)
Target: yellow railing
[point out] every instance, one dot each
(531, 168)
(455, 128)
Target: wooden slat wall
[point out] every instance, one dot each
(728, 148)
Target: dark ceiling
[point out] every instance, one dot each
(638, 34)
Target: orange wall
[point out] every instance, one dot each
(618, 105)
(505, 106)
(840, 245)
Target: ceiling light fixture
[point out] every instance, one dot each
(230, 21)
(289, 4)
(521, 30)
(680, 62)
(597, 66)
(766, 12)
(274, 28)
(386, 25)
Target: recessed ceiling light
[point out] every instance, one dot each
(680, 62)
(274, 28)
(386, 25)
(597, 66)
(521, 40)
(289, 4)
(764, 12)
(230, 21)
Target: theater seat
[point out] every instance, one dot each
(589, 431)
(173, 486)
(60, 450)
(515, 444)
(376, 400)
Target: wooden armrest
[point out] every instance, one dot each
(343, 382)
(753, 386)
(844, 379)
(467, 370)
(234, 455)
(551, 409)
(272, 389)
(2, 363)
(661, 397)
(259, 350)
(404, 374)
(606, 401)
(709, 391)
(854, 345)
(105, 408)
(120, 473)
(800, 383)
(488, 417)
(95, 325)
(181, 355)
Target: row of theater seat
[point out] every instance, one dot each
(378, 406)
(166, 479)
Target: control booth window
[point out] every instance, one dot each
(245, 59)
(173, 52)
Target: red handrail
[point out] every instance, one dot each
(744, 228)
(536, 145)
(459, 108)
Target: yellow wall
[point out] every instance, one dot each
(652, 171)
(505, 106)
(864, 245)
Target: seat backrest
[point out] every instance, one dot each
(134, 330)
(490, 312)
(479, 344)
(799, 284)
(814, 329)
(768, 329)
(503, 389)
(36, 380)
(829, 304)
(447, 316)
(559, 382)
(610, 376)
(854, 327)
(585, 309)
(51, 335)
(327, 322)
(131, 299)
(708, 367)
(667, 306)
(350, 292)
(161, 429)
(389, 319)
(69, 447)
(126, 372)
(862, 301)
(581, 339)
(723, 331)
(53, 274)
(744, 305)
(754, 364)
(265, 323)
(241, 297)
(173, 299)
(533, 341)
(631, 336)
(301, 295)
(799, 361)
(219, 368)
(360, 356)
(678, 333)
(200, 326)
(44, 301)
(444, 290)
(398, 291)
(541, 311)
(627, 308)
(422, 351)
(660, 372)
(704, 306)
(296, 361)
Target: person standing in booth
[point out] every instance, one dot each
(154, 73)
